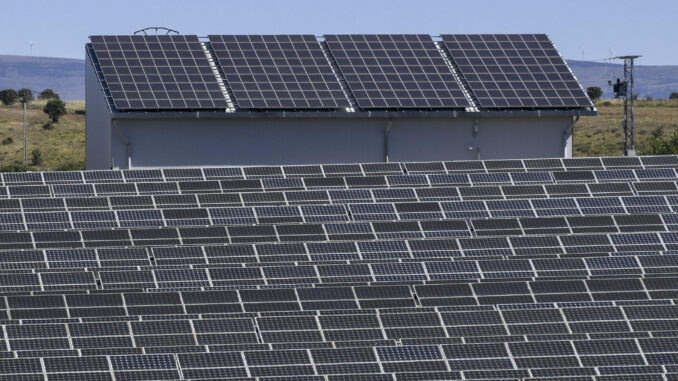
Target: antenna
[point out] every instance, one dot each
(625, 89)
(156, 30)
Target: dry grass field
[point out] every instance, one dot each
(61, 146)
(602, 135)
(64, 146)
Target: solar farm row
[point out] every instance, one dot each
(392, 204)
(571, 276)
(463, 218)
(551, 261)
(340, 170)
(378, 364)
(314, 233)
(592, 280)
(370, 190)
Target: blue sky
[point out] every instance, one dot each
(580, 29)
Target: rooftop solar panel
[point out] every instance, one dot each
(278, 72)
(151, 72)
(515, 71)
(396, 72)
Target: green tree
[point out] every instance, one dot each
(8, 96)
(48, 94)
(673, 95)
(594, 92)
(55, 109)
(36, 157)
(26, 95)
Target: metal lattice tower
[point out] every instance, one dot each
(625, 89)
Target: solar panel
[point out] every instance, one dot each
(395, 72)
(150, 72)
(515, 71)
(278, 72)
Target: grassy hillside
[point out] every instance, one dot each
(602, 135)
(64, 145)
(654, 81)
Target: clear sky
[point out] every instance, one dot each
(590, 30)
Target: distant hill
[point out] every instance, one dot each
(655, 81)
(67, 76)
(64, 75)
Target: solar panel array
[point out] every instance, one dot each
(493, 270)
(341, 72)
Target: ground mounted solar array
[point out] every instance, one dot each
(336, 72)
(514, 269)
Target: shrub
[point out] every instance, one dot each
(659, 146)
(48, 126)
(48, 94)
(673, 95)
(13, 167)
(8, 96)
(78, 166)
(594, 92)
(7, 141)
(658, 132)
(36, 157)
(55, 109)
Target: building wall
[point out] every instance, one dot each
(494, 138)
(219, 142)
(97, 122)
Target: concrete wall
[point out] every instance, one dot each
(219, 142)
(97, 122)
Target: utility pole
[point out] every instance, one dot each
(24, 103)
(625, 89)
